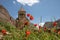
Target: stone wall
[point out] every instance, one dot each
(4, 15)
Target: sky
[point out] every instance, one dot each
(42, 10)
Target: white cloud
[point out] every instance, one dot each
(28, 2)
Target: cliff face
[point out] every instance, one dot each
(4, 15)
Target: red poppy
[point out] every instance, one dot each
(27, 32)
(4, 31)
(31, 18)
(45, 28)
(28, 15)
(35, 24)
(39, 27)
(26, 23)
(54, 23)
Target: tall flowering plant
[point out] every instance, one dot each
(4, 32)
(27, 33)
(45, 28)
(26, 23)
(30, 16)
(35, 24)
(39, 27)
(54, 24)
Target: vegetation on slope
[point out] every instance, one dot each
(17, 34)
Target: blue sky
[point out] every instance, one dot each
(45, 8)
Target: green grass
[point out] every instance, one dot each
(17, 34)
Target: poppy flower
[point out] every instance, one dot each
(4, 32)
(27, 32)
(35, 24)
(39, 27)
(31, 18)
(28, 15)
(45, 28)
(26, 23)
(54, 23)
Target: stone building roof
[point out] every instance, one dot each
(21, 9)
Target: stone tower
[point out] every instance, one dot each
(21, 18)
(21, 14)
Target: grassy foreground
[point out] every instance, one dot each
(17, 34)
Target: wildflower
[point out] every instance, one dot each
(4, 32)
(27, 32)
(31, 18)
(54, 23)
(35, 24)
(45, 28)
(26, 23)
(39, 27)
(28, 15)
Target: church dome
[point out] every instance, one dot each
(22, 9)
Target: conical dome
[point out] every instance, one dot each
(22, 9)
